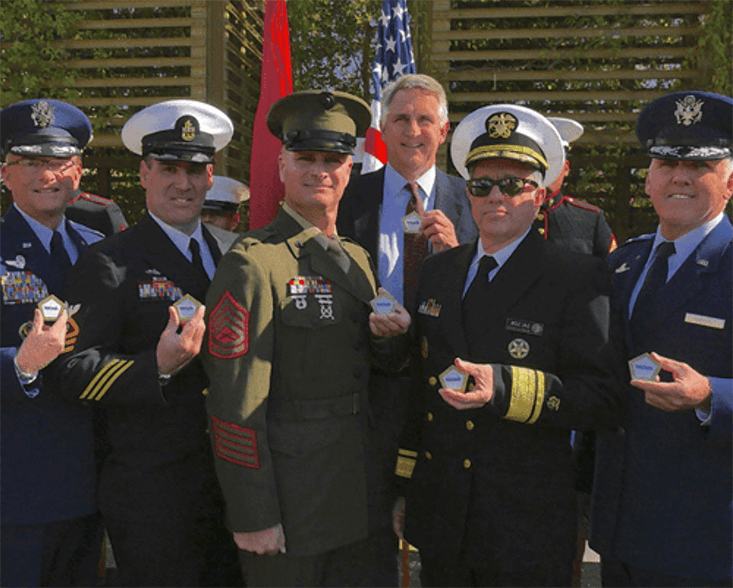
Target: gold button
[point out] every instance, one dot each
(430, 416)
(540, 216)
(541, 231)
(428, 455)
(469, 425)
(205, 391)
(466, 463)
(432, 380)
(207, 431)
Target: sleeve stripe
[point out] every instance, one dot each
(406, 461)
(539, 397)
(235, 443)
(527, 395)
(107, 376)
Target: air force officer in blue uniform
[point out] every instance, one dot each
(663, 485)
(50, 532)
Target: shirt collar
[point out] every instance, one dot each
(688, 242)
(180, 239)
(500, 256)
(394, 182)
(43, 233)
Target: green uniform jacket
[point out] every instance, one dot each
(288, 352)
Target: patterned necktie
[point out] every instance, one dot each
(415, 251)
(648, 297)
(474, 302)
(58, 252)
(194, 247)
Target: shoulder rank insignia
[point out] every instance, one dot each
(228, 329)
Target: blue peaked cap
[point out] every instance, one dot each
(691, 126)
(43, 128)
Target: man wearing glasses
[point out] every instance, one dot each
(51, 533)
(485, 463)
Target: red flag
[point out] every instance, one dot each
(266, 189)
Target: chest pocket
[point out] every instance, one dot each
(312, 311)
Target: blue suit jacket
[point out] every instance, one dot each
(47, 444)
(360, 208)
(663, 488)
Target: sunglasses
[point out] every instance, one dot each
(507, 186)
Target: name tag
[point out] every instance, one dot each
(704, 321)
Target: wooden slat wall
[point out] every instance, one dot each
(208, 50)
(478, 50)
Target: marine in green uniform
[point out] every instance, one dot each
(290, 344)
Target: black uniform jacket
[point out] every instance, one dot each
(157, 435)
(576, 225)
(498, 480)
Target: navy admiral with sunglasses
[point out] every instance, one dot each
(528, 321)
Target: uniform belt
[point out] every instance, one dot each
(311, 410)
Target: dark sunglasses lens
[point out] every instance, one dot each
(511, 186)
(480, 188)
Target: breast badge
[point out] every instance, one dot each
(518, 348)
(159, 288)
(430, 307)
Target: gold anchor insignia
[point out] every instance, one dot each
(689, 111)
(501, 125)
(42, 114)
(188, 131)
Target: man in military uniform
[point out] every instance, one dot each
(663, 487)
(136, 359)
(489, 485)
(223, 202)
(574, 224)
(51, 532)
(94, 211)
(291, 342)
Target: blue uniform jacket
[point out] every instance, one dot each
(663, 489)
(47, 445)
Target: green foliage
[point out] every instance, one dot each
(331, 44)
(32, 31)
(715, 46)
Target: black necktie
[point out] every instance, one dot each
(58, 252)
(193, 245)
(414, 252)
(474, 303)
(648, 297)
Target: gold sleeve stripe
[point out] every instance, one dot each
(526, 396)
(408, 453)
(405, 466)
(539, 400)
(107, 376)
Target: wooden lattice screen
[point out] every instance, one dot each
(128, 55)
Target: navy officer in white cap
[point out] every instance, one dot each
(663, 490)
(51, 534)
(140, 330)
(222, 205)
(512, 354)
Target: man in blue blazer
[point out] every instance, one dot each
(663, 484)
(51, 534)
(414, 124)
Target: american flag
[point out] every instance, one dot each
(393, 59)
